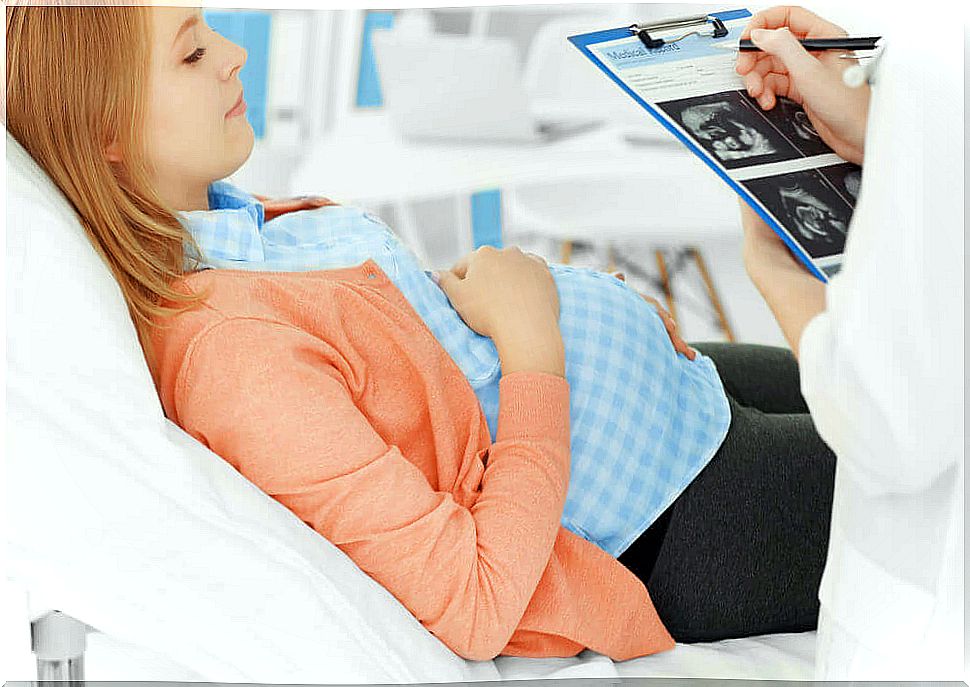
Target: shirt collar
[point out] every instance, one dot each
(230, 229)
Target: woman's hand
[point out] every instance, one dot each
(274, 207)
(784, 68)
(669, 323)
(500, 292)
(510, 297)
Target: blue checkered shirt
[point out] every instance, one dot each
(644, 419)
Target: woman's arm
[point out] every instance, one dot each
(271, 400)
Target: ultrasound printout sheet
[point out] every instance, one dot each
(773, 158)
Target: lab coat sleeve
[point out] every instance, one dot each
(882, 366)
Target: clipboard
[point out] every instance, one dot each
(774, 159)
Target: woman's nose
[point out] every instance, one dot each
(237, 60)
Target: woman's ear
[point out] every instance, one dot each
(112, 152)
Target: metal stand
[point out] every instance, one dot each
(59, 641)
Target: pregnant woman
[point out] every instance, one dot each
(518, 455)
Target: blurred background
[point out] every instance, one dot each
(468, 126)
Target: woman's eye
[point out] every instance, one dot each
(195, 56)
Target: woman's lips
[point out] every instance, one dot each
(238, 109)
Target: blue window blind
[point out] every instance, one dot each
(251, 30)
(487, 218)
(368, 81)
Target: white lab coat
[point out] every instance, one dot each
(882, 372)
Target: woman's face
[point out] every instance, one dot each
(194, 83)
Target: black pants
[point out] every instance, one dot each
(741, 551)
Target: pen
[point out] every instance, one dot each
(853, 77)
(864, 43)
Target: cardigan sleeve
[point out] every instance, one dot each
(265, 398)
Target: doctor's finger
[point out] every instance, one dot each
(814, 79)
(778, 85)
(767, 63)
(754, 83)
(761, 62)
(800, 21)
(833, 59)
(756, 73)
(765, 89)
(772, 18)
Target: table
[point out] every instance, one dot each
(365, 161)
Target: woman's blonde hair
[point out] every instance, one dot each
(77, 80)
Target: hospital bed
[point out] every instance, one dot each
(139, 554)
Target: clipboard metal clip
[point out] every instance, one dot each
(707, 25)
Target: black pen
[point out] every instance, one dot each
(846, 43)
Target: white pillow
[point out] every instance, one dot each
(123, 521)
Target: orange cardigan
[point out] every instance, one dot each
(327, 391)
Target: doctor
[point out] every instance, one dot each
(880, 348)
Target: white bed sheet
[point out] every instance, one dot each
(766, 657)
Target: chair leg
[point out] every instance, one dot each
(665, 281)
(712, 294)
(611, 260)
(567, 251)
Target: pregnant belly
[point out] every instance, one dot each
(609, 332)
(606, 322)
(644, 419)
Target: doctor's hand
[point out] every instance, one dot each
(763, 250)
(813, 80)
(790, 291)
(670, 324)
